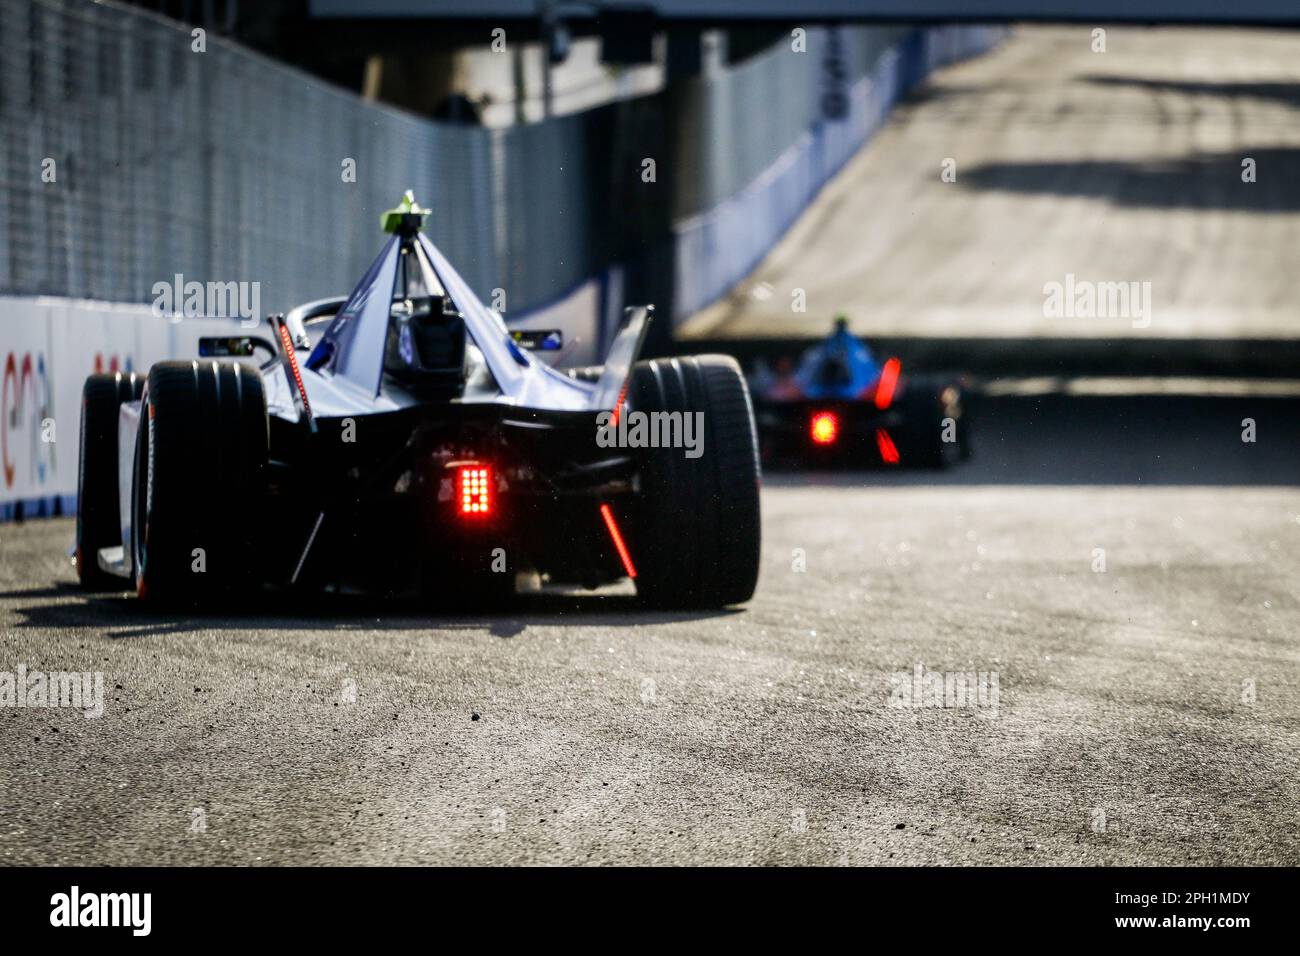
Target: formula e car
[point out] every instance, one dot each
(402, 440)
(838, 405)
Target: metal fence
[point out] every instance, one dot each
(219, 165)
(222, 165)
(746, 117)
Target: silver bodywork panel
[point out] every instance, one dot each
(351, 354)
(344, 373)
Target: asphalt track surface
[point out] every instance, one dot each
(1146, 714)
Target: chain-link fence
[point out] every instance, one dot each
(746, 117)
(133, 152)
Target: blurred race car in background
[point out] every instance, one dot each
(838, 405)
(416, 447)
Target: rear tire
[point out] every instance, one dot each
(99, 518)
(200, 481)
(697, 525)
(922, 444)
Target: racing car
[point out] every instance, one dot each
(400, 440)
(839, 405)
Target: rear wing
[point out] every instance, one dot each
(611, 387)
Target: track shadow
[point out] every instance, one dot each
(941, 92)
(57, 589)
(1156, 440)
(995, 357)
(122, 616)
(1278, 91)
(1200, 181)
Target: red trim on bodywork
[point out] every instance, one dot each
(617, 538)
(287, 340)
(622, 396)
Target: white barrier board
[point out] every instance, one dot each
(47, 348)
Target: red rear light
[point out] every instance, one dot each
(888, 451)
(474, 489)
(825, 428)
(887, 384)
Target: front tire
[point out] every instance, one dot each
(200, 480)
(697, 522)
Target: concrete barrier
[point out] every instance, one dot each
(48, 348)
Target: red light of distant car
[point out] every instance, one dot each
(888, 451)
(474, 489)
(887, 384)
(825, 428)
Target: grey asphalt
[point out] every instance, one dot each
(1116, 166)
(1145, 714)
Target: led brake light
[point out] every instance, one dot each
(474, 490)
